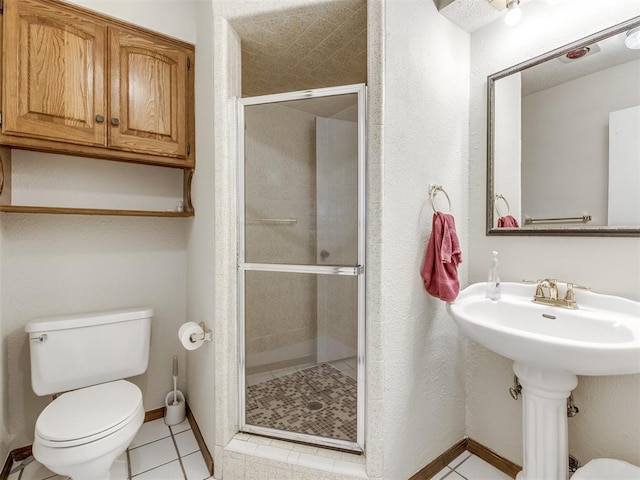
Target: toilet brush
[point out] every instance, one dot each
(175, 405)
(175, 380)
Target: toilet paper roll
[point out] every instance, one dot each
(184, 335)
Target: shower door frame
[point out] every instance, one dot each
(357, 270)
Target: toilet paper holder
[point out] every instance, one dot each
(206, 335)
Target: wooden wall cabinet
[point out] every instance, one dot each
(79, 83)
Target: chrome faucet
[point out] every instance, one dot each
(547, 293)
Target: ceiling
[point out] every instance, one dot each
(608, 52)
(317, 46)
(470, 15)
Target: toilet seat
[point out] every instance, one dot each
(607, 468)
(88, 414)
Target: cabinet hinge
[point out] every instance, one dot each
(188, 149)
(188, 59)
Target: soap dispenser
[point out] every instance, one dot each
(493, 282)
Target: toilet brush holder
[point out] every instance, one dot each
(175, 411)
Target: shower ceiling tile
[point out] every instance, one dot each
(290, 50)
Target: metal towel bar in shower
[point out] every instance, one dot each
(272, 221)
(582, 219)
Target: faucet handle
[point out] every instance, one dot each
(569, 296)
(539, 286)
(579, 287)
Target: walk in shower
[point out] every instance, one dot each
(301, 265)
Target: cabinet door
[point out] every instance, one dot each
(148, 111)
(54, 75)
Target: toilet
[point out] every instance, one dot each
(82, 432)
(607, 469)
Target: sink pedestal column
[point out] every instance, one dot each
(544, 396)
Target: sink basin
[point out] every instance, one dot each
(601, 337)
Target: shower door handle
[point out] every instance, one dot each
(324, 254)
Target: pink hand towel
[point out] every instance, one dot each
(507, 221)
(443, 255)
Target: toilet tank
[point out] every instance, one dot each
(75, 351)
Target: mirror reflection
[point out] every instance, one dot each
(564, 140)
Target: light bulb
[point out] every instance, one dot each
(513, 16)
(632, 40)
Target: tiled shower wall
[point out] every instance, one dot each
(280, 156)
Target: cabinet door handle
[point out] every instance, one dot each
(99, 118)
(115, 122)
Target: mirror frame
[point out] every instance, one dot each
(596, 231)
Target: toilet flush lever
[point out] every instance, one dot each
(40, 338)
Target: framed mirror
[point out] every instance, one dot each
(563, 140)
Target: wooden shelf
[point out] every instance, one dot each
(91, 211)
(6, 204)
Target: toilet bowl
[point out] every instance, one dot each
(607, 469)
(81, 433)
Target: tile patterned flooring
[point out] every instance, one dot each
(318, 400)
(157, 453)
(162, 453)
(469, 467)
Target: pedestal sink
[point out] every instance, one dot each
(549, 347)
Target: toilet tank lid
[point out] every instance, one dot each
(63, 322)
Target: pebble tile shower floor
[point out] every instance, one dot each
(318, 400)
(157, 453)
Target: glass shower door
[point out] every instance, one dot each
(301, 266)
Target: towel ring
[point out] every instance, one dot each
(495, 205)
(433, 190)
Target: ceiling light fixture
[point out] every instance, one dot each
(632, 40)
(578, 53)
(514, 14)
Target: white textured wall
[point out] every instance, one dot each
(57, 264)
(425, 141)
(171, 17)
(201, 257)
(40, 179)
(227, 87)
(608, 423)
(54, 264)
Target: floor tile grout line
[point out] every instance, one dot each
(128, 465)
(150, 442)
(448, 473)
(457, 465)
(149, 469)
(175, 445)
